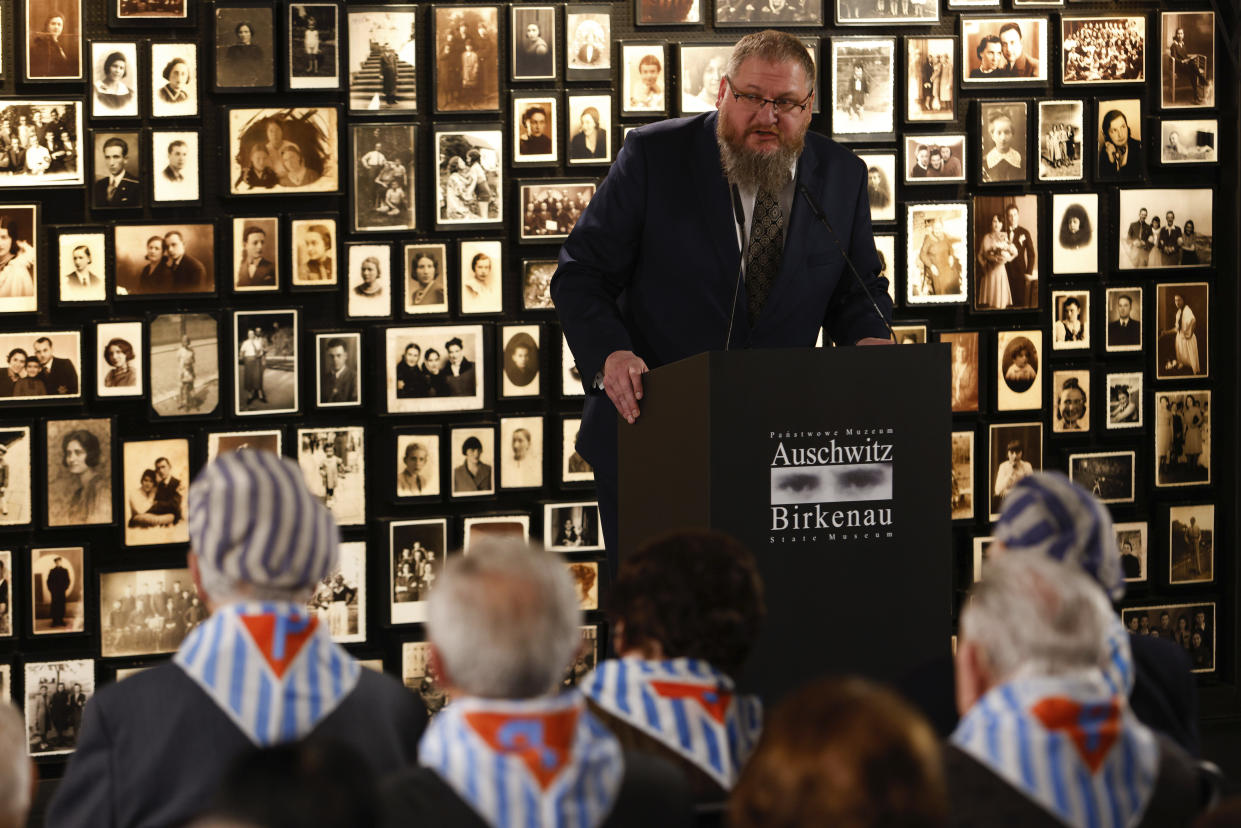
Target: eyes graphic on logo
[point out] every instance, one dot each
(832, 484)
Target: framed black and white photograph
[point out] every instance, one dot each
(419, 676)
(910, 334)
(245, 47)
(1165, 228)
(472, 458)
(588, 41)
(19, 255)
(1070, 329)
(885, 249)
(1124, 318)
(880, 184)
(313, 46)
(256, 250)
(469, 178)
(930, 79)
(702, 68)
(382, 196)
(487, 528)
(79, 465)
(1124, 399)
(535, 125)
(667, 12)
(588, 129)
(333, 463)
(1108, 475)
(1109, 49)
(383, 50)
(57, 590)
(467, 58)
(370, 284)
(1003, 132)
(146, 611)
(114, 79)
(1187, 59)
(937, 267)
(1192, 628)
(418, 464)
(417, 551)
(425, 274)
(1191, 544)
(185, 364)
(935, 159)
(280, 151)
(161, 13)
(521, 452)
(156, 482)
(41, 365)
(534, 42)
(1182, 438)
(434, 368)
(1182, 315)
(572, 527)
(313, 246)
(55, 694)
(863, 85)
(265, 362)
(585, 575)
(1119, 138)
(962, 475)
(338, 369)
(521, 374)
(644, 78)
(16, 495)
(881, 13)
(173, 72)
(1004, 51)
(120, 361)
(1189, 142)
(52, 132)
(982, 554)
(482, 276)
(175, 167)
(1016, 451)
(571, 384)
(118, 179)
(1070, 402)
(339, 599)
(164, 259)
(768, 13)
(966, 380)
(536, 283)
(1075, 228)
(82, 263)
(53, 50)
(1060, 141)
(1131, 540)
(1019, 375)
(7, 595)
(573, 466)
(222, 442)
(550, 207)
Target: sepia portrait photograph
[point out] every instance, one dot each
(114, 79)
(185, 367)
(19, 258)
(57, 590)
(1004, 50)
(313, 243)
(1019, 384)
(119, 181)
(1182, 438)
(469, 177)
(370, 280)
(1070, 402)
(265, 367)
(885, 249)
(1060, 141)
(1124, 318)
(521, 452)
(338, 369)
(147, 611)
(1108, 475)
(588, 125)
(481, 276)
(930, 79)
(164, 12)
(520, 361)
(256, 250)
(16, 494)
(1183, 328)
(161, 259)
(863, 72)
(572, 527)
(245, 46)
(771, 13)
(333, 463)
(418, 465)
(173, 75)
(82, 264)
(419, 676)
(339, 599)
(383, 176)
(1187, 59)
(467, 58)
(1003, 128)
(585, 575)
(1131, 541)
(534, 42)
(40, 364)
(156, 484)
(910, 334)
(964, 370)
(425, 274)
(472, 453)
(56, 693)
(573, 466)
(1103, 49)
(434, 368)
(1191, 544)
(588, 42)
(1124, 400)
(276, 151)
(536, 284)
(53, 40)
(7, 595)
(1075, 228)
(551, 207)
(383, 48)
(934, 159)
(702, 69)
(495, 528)
(221, 442)
(887, 12)
(1192, 627)
(1071, 312)
(417, 551)
(44, 141)
(1189, 142)
(536, 123)
(313, 46)
(79, 472)
(175, 166)
(1165, 228)
(119, 359)
(937, 267)
(880, 185)
(1016, 451)
(963, 475)
(644, 78)
(1119, 138)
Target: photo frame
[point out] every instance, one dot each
(7, 595)
(770, 13)
(878, 13)
(418, 464)
(245, 47)
(1124, 318)
(146, 612)
(1189, 141)
(312, 46)
(1181, 350)
(19, 245)
(54, 36)
(588, 41)
(64, 164)
(417, 552)
(1160, 242)
(120, 359)
(1060, 141)
(74, 680)
(910, 334)
(536, 284)
(17, 499)
(588, 129)
(178, 159)
(434, 368)
(256, 250)
(1182, 438)
(118, 175)
(114, 80)
(147, 14)
(655, 13)
(489, 528)
(482, 276)
(469, 179)
(1131, 540)
(1107, 49)
(173, 71)
(1119, 136)
(266, 365)
(1072, 326)
(962, 506)
(574, 469)
(880, 185)
(535, 40)
(472, 452)
(885, 249)
(521, 452)
(934, 159)
(1004, 51)
(1016, 451)
(418, 675)
(333, 464)
(536, 123)
(383, 194)
(1003, 131)
(370, 282)
(863, 87)
(467, 66)
(274, 151)
(585, 575)
(521, 372)
(1191, 544)
(426, 269)
(982, 554)
(644, 77)
(1124, 400)
(156, 484)
(313, 243)
(550, 208)
(937, 265)
(82, 264)
(164, 259)
(966, 377)
(572, 527)
(1108, 475)
(52, 361)
(1006, 240)
(702, 67)
(79, 463)
(1199, 643)
(1187, 59)
(1071, 404)
(382, 58)
(338, 369)
(1075, 225)
(58, 590)
(339, 599)
(222, 442)
(930, 79)
(571, 384)
(1019, 370)
(184, 358)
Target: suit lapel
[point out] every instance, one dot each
(798, 230)
(715, 203)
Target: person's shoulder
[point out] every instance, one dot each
(653, 791)
(830, 152)
(138, 692)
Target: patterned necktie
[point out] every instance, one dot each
(766, 250)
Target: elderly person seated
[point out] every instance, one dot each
(1046, 737)
(260, 671)
(509, 749)
(17, 777)
(685, 610)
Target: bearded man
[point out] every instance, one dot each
(650, 272)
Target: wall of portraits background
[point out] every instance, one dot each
(328, 230)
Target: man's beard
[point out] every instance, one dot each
(751, 168)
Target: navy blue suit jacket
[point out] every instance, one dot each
(652, 263)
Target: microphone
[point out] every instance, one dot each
(739, 215)
(818, 213)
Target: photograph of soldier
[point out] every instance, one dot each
(57, 591)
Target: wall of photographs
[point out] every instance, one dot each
(328, 229)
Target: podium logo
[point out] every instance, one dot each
(805, 478)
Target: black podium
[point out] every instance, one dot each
(834, 466)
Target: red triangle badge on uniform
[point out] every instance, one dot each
(1093, 728)
(712, 699)
(541, 741)
(279, 639)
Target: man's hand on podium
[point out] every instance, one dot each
(873, 340)
(622, 380)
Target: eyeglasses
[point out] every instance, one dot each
(755, 103)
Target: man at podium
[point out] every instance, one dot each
(653, 271)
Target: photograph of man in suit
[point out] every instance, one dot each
(1124, 330)
(1140, 239)
(630, 260)
(116, 188)
(178, 181)
(1022, 279)
(459, 378)
(1019, 64)
(57, 587)
(58, 375)
(186, 274)
(339, 383)
(255, 269)
(168, 490)
(81, 284)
